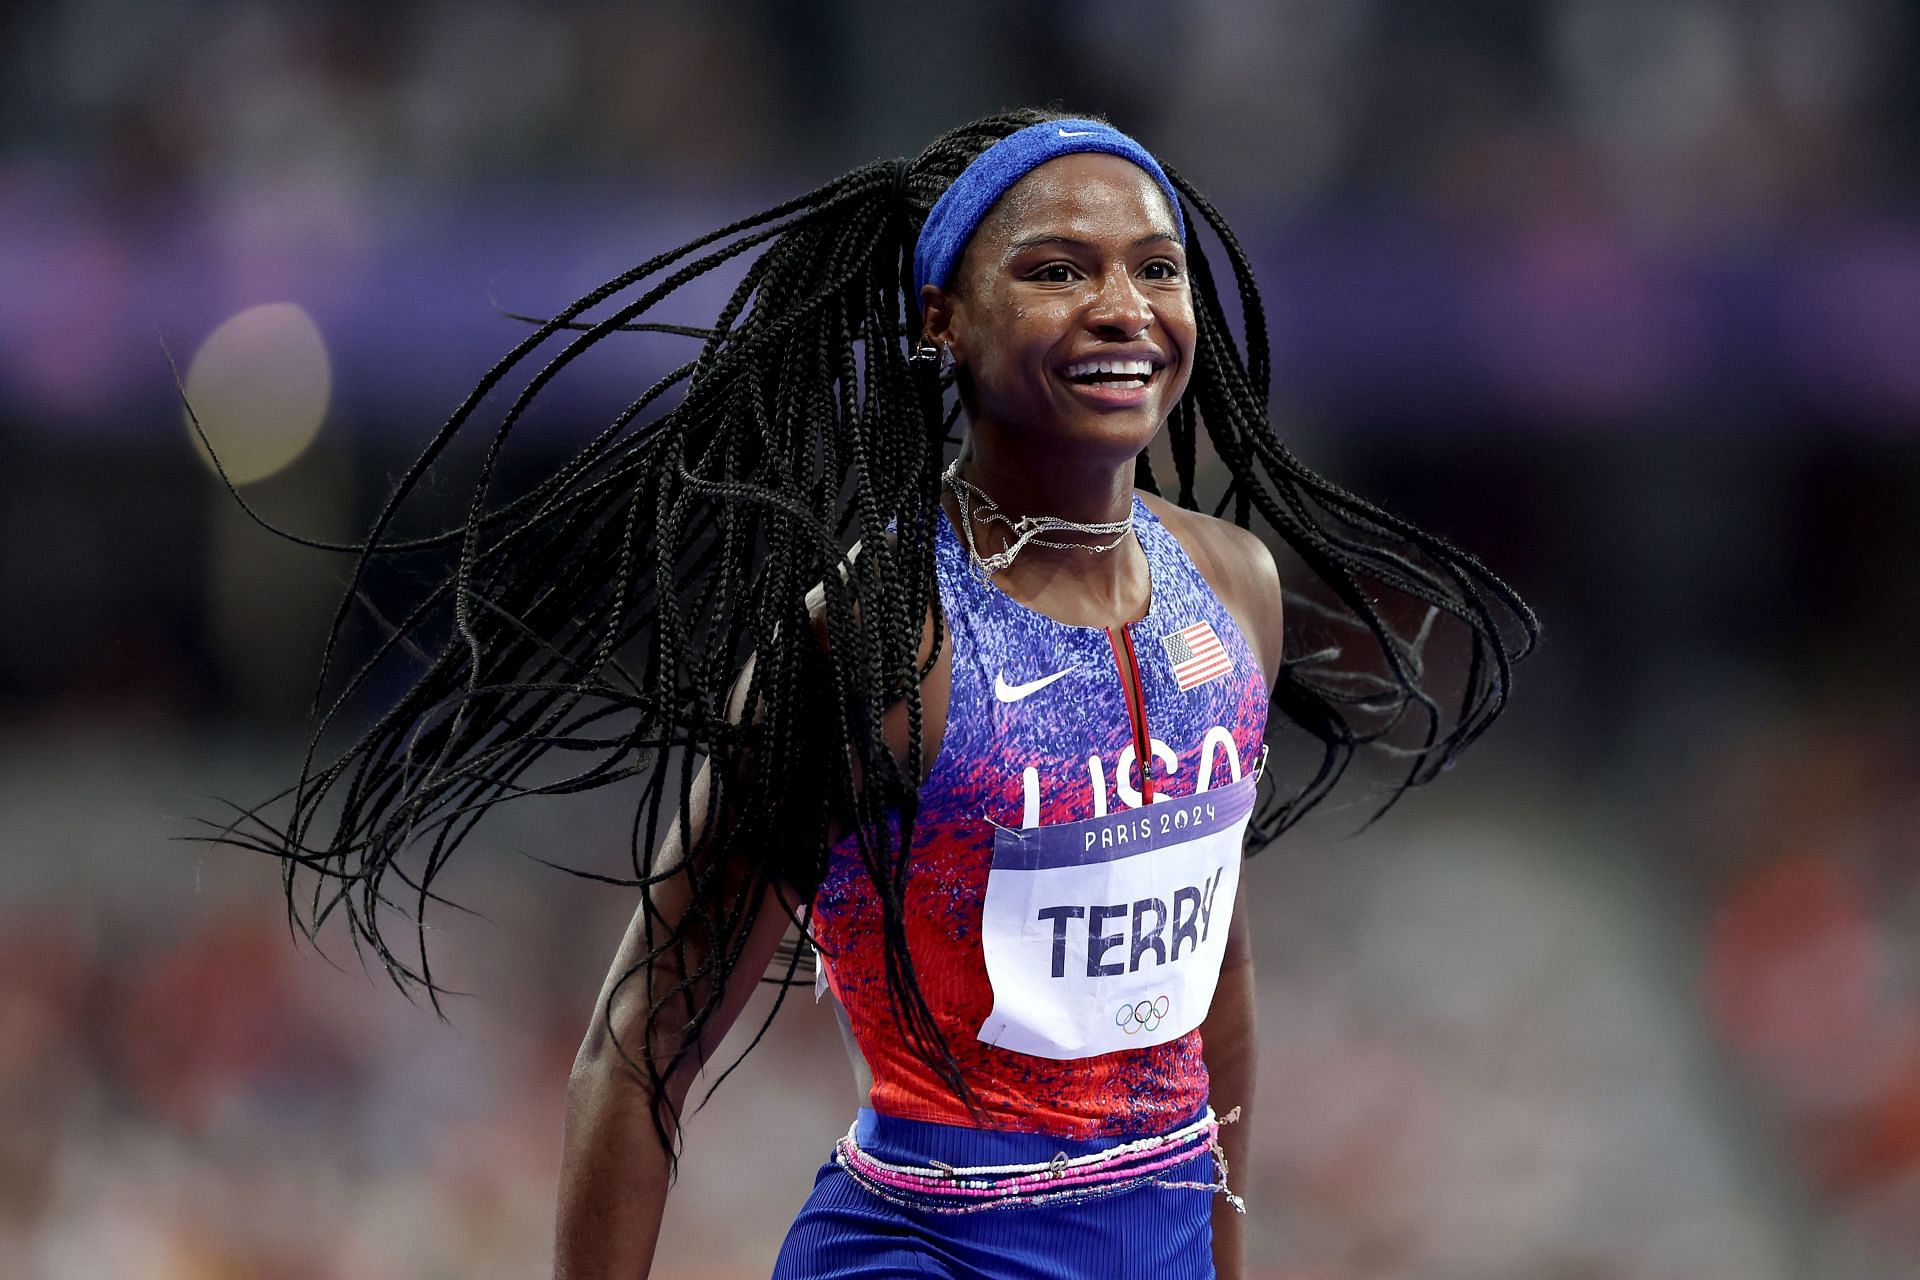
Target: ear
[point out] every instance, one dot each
(937, 323)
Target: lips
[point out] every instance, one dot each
(1121, 394)
(1113, 380)
(1122, 372)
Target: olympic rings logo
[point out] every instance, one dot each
(1143, 1015)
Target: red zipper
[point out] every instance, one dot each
(1135, 694)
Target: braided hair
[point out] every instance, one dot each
(606, 615)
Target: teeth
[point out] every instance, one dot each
(1123, 368)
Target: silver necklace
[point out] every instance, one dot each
(1024, 530)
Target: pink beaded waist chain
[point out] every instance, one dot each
(942, 1188)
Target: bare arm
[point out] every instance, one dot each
(613, 1172)
(1229, 1044)
(1242, 572)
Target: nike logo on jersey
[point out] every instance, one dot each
(1014, 692)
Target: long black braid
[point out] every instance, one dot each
(606, 615)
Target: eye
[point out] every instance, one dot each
(1054, 273)
(1161, 269)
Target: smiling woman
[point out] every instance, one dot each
(998, 759)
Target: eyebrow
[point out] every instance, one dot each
(1034, 241)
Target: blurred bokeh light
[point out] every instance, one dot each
(257, 391)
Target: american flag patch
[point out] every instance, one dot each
(1197, 655)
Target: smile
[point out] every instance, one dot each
(1112, 384)
(1120, 374)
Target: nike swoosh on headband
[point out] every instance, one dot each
(1077, 133)
(1014, 692)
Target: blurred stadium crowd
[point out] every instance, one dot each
(1624, 294)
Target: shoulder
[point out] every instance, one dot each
(1240, 569)
(1234, 552)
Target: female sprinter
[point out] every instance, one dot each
(988, 731)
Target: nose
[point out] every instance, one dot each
(1119, 309)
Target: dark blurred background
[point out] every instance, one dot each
(1622, 294)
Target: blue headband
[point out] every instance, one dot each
(958, 211)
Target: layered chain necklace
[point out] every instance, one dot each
(1024, 530)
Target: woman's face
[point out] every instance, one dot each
(1069, 312)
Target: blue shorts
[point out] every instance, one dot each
(845, 1232)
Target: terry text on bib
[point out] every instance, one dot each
(1107, 934)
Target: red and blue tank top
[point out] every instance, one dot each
(1066, 907)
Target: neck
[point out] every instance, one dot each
(1114, 580)
(1089, 493)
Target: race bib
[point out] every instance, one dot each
(1107, 934)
